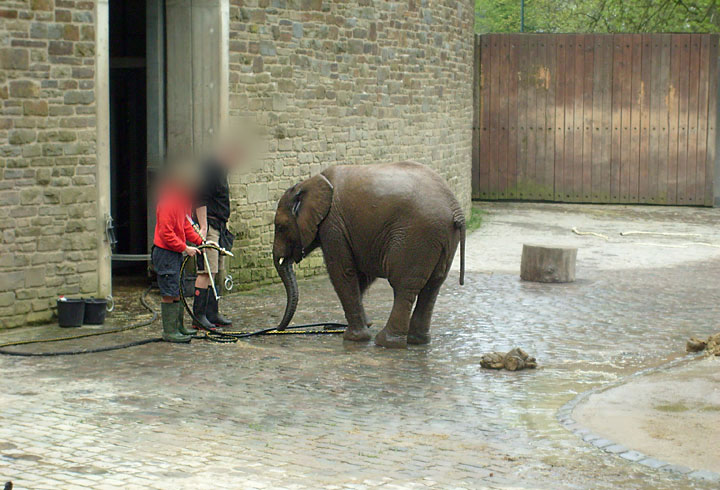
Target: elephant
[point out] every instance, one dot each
(398, 221)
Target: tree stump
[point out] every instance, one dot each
(548, 264)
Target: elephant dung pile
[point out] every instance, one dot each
(711, 346)
(514, 360)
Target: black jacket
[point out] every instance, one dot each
(214, 192)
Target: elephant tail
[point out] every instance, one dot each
(460, 225)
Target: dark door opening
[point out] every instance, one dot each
(128, 131)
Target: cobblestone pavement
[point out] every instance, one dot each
(309, 412)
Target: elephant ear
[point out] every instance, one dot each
(311, 205)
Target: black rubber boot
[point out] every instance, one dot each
(170, 324)
(212, 313)
(181, 321)
(200, 309)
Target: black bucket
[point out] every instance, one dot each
(95, 310)
(70, 312)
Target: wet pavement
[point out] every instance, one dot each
(670, 413)
(313, 411)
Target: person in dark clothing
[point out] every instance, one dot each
(212, 212)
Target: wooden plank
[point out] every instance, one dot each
(489, 151)
(598, 97)
(529, 182)
(683, 100)
(522, 133)
(588, 74)
(179, 77)
(566, 193)
(485, 159)
(615, 150)
(494, 115)
(504, 92)
(635, 117)
(712, 120)
(578, 118)
(155, 106)
(693, 118)
(499, 93)
(477, 116)
(206, 19)
(656, 95)
(646, 87)
(541, 80)
(674, 118)
(513, 117)
(664, 90)
(503, 176)
(502, 117)
(703, 93)
(607, 118)
(559, 127)
(626, 111)
(155, 89)
(548, 192)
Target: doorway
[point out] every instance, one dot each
(128, 130)
(162, 89)
(137, 126)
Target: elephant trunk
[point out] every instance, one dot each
(286, 272)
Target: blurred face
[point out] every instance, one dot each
(183, 175)
(231, 155)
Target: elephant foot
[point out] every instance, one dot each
(357, 334)
(384, 339)
(418, 338)
(367, 321)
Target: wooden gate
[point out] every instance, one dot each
(608, 118)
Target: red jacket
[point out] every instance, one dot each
(172, 229)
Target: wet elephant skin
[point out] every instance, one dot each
(398, 221)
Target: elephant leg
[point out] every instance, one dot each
(394, 335)
(347, 286)
(419, 332)
(365, 282)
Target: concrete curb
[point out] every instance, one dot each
(564, 416)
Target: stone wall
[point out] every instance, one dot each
(346, 82)
(331, 82)
(47, 155)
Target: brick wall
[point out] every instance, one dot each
(346, 82)
(47, 155)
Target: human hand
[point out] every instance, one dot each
(192, 251)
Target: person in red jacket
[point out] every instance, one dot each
(172, 232)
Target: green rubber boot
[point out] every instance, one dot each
(170, 324)
(181, 323)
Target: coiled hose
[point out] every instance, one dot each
(231, 337)
(142, 323)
